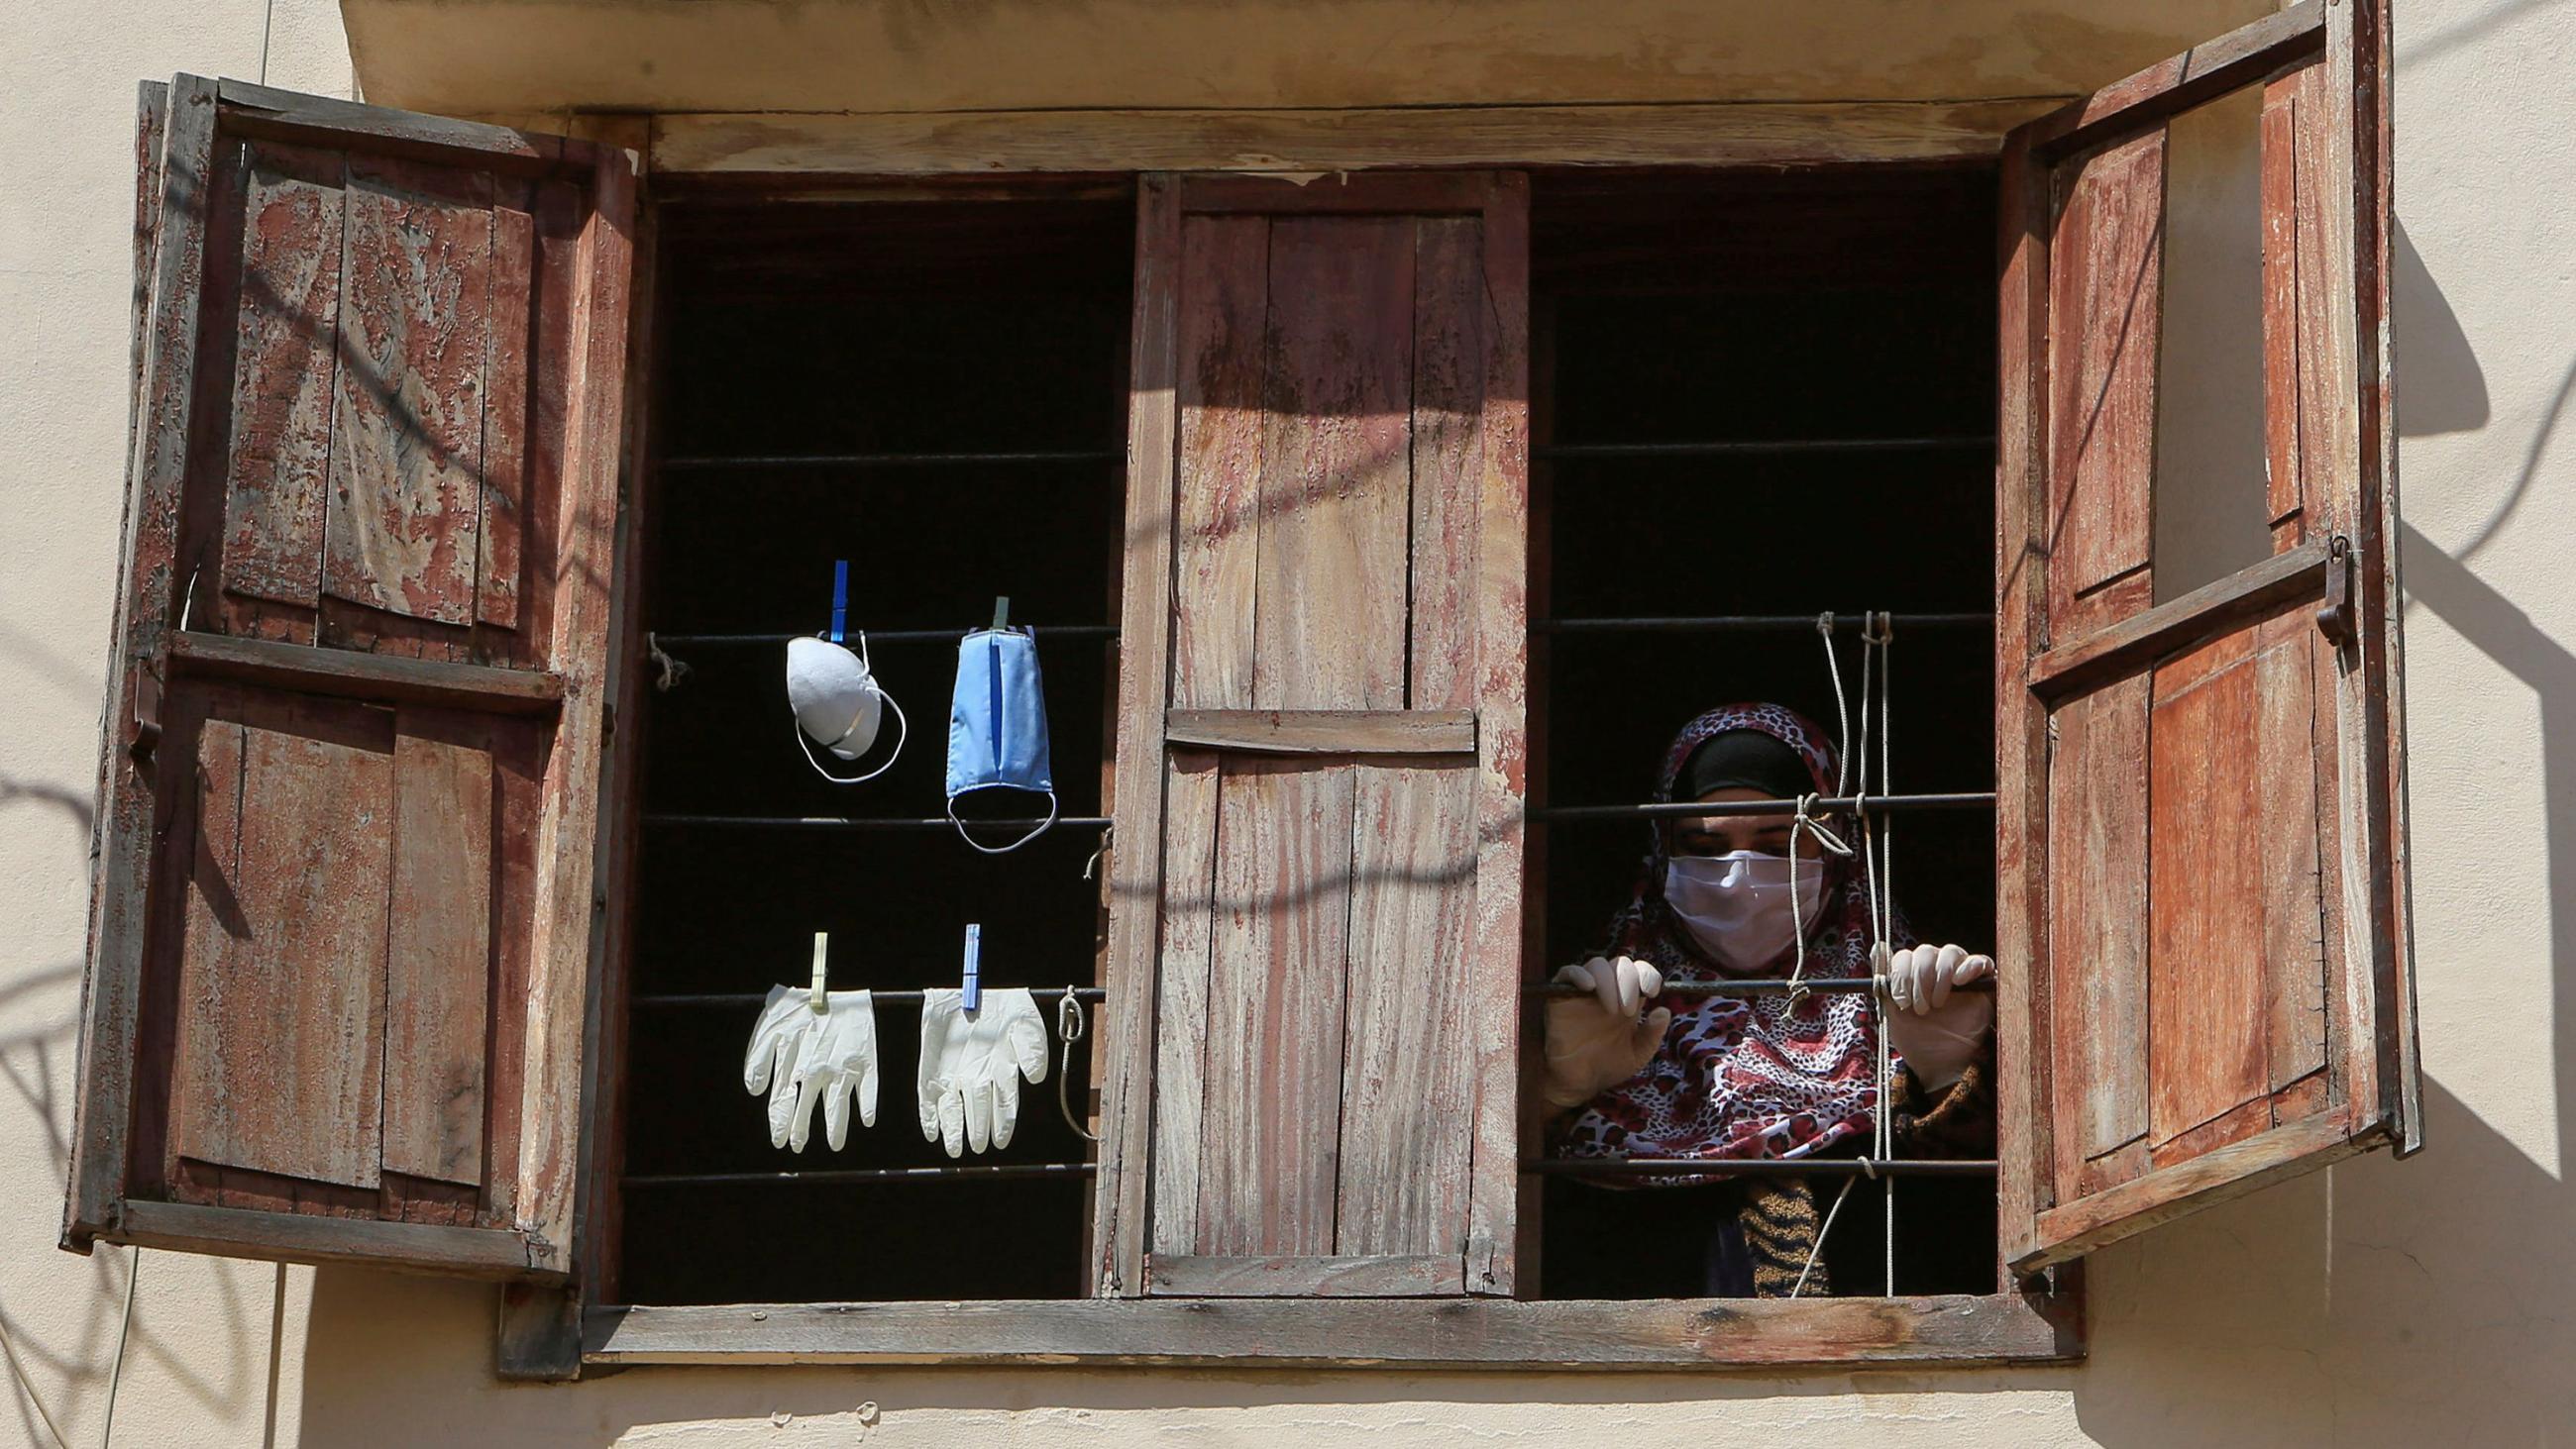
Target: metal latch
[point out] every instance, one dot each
(143, 730)
(2334, 616)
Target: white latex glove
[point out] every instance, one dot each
(1935, 1031)
(971, 1065)
(800, 1058)
(1596, 1042)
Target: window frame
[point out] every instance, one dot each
(548, 1333)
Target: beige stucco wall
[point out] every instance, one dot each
(2379, 1303)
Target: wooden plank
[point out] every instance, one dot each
(2176, 625)
(1089, 141)
(2023, 1099)
(1327, 731)
(1329, 627)
(2097, 926)
(1697, 1334)
(1341, 1275)
(1409, 1073)
(438, 972)
(1371, 193)
(2206, 1013)
(300, 1238)
(367, 676)
(282, 968)
(1224, 367)
(111, 991)
(2288, 738)
(2282, 479)
(407, 433)
(2074, 1229)
(279, 461)
(1120, 1222)
(2203, 73)
(1502, 748)
(256, 110)
(2106, 283)
(583, 563)
(1268, 1142)
(510, 326)
(2324, 305)
(1183, 1023)
(1452, 348)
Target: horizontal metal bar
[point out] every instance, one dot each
(885, 998)
(1747, 623)
(1699, 809)
(889, 460)
(1715, 448)
(1759, 1167)
(866, 1174)
(835, 822)
(1766, 986)
(892, 636)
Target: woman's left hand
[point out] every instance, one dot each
(1935, 1027)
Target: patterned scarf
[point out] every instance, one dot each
(1746, 1077)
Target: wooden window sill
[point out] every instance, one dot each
(1467, 1333)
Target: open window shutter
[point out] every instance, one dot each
(2202, 853)
(1314, 926)
(341, 927)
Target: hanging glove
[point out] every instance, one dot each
(1596, 1042)
(1936, 1031)
(971, 1065)
(801, 1057)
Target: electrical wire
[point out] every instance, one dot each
(124, 1326)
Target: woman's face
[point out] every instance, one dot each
(1724, 834)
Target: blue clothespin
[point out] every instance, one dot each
(973, 988)
(840, 596)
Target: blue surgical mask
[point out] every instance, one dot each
(997, 729)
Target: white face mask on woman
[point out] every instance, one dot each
(1737, 905)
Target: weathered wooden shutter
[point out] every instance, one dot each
(2202, 848)
(1315, 920)
(340, 936)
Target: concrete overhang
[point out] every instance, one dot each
(482, 57)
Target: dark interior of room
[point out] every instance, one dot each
(1835, 304)
(906, 328)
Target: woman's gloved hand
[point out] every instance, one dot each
(1936, 1028)
(1596, 1042)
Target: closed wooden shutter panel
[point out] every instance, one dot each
(2202, 858)
(341, 927)
(1333, 516)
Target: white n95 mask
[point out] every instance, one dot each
(1738, 907)
(838, 704)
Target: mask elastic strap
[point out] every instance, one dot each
(902, 732)
(1043, 826)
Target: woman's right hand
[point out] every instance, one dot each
(1597, 1041)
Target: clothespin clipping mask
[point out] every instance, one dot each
(822, 944)
(1002, 611)
(972, 988)
(840, 597)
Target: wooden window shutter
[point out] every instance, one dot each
(340, 934)
(2202, 851)
(1315, 911)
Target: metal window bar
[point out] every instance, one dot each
(893, 459)
(1700, 809)
(1762, 1167)
(1746, 623)
(835, 822)
(1092, 994)
(865, 1174)
(1692, 990)
(894, 636)
(1759, 447)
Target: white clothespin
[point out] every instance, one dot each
(822, 944)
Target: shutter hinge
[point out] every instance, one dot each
(143, 729)
(1479, 1268)
(2334, 616)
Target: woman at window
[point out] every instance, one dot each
(1770, 1076)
